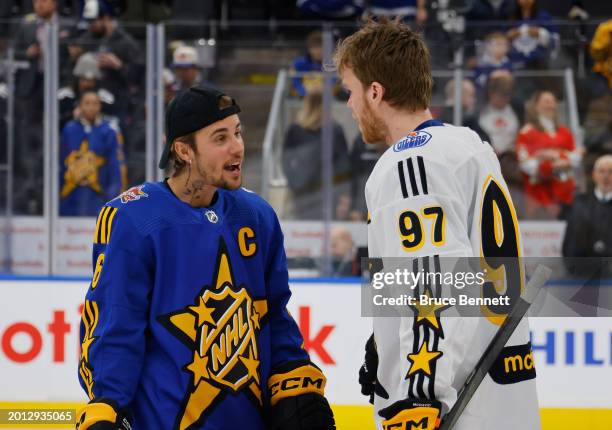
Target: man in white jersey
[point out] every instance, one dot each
(436, 192)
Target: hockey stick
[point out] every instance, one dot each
(496, 345)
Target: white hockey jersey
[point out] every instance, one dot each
(439, 192)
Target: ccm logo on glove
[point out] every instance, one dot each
(305, 379)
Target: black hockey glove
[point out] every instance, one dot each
(412, 413)
(367, 372)
(296, 398)
(102, 414)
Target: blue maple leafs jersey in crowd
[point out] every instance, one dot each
(90, 173)
(186, 313)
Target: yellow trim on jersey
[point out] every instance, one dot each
(90, 322)
(110, 223)
(98, 224)
(104, 224)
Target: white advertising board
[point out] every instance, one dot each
(73, 241)
(39, 323)
(27, 239)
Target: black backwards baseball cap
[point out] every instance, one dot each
(190, 111)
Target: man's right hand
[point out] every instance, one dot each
(102, 414)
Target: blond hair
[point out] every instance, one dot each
(390, 53)
(310, 115)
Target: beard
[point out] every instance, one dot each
(373, 129)
(217, 181)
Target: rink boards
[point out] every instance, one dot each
(39, 351)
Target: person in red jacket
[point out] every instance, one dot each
(548, 157)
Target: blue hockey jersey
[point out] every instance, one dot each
(90, 172)
(186, 313)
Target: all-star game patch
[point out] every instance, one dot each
(133, 194)
(220, 330)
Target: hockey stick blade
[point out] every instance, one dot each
(498, 342)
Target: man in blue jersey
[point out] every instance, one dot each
(185, 323)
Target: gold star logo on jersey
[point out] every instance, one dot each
(221, 330)
(429, 313)
(422, 360)
(82, 168)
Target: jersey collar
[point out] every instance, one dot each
(429, 123)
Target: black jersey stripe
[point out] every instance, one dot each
(422, 376)
(422, 174)
(438, 291)
(402, 178)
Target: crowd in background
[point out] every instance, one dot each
(524, 123)
(102, 107)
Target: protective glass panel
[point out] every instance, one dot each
(23, 231)
(101, 111)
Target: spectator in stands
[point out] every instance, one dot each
(302, 158)
(532, 36)
(342, 253)
(170, 86)
(6, 10)
(468, 104)
(589, 223)
(118, 55)
(310, 65)
(86, 77)
(186, 67)
(29, 43)
(494, 57)
(409, 10)
(485, 10)
(489, 10)
(363, 157)
(597, 145)
(91, 159)
(547, 156)
(497, 118)
(329, 9)
(601, 51)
